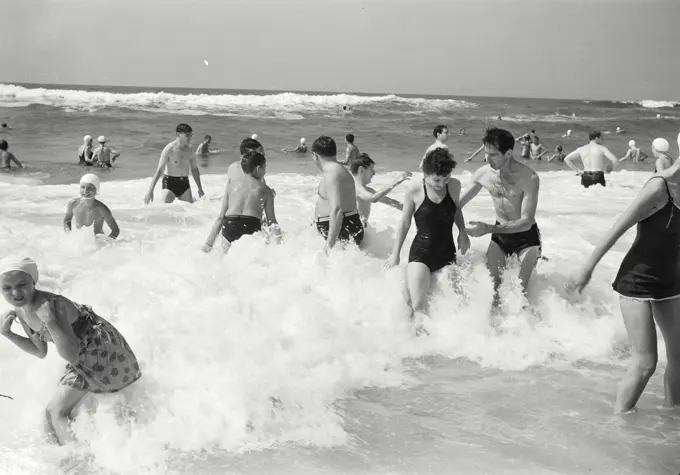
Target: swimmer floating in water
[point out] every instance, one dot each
(245, 199)
(302, 148)
(99, 360)
(634, 153)
(89, 211)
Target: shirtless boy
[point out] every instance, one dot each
(6, 157)
(363, 170)
(351, 152)
(537, 150)
(176, 160)
(593, 156)
(245, 199)
(89, 211)
(336, 213)
(513, 187)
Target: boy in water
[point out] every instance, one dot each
(363, 170)
(104, 155)
(7, 157)
(245, 198)
(558, 155)
(89, 211)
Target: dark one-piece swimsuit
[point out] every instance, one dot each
(651, 268)
(433, 244)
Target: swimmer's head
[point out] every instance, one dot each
(253, 163)
(324, 148)
(207, 138)
(363, 166)
(254, 136)
(595, 135)
(349, 138)
(250, 144)
(441, 133)
(498, 146)
(18, 277)
(87, 139)
(184, 132)
(536, 139)
(660, 145)
(569, 132)
(533, 131)
(4, 126)
(558, 148)
(302, 141)
(101, 139)
(618, 129)
(437, 167)
(631, 143)
(89, 185)
(4, 145)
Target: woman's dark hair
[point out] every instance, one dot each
(438, 162)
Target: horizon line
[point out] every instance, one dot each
(282, 91)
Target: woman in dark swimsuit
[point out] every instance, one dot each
(433, 205)
(648, 282)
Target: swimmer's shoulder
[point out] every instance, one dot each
(73, 202)
(101, 206)
(481, 173)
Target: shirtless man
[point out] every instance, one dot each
(336, 214)
(6, 157)
(245, 199)
(593, 156)
(363, 170)
(104, 155)
(634, 153)
(537, 150)
(441, 136)
(203, 150)
(513, 187)
(351, 152)
(88, 211)
(176, 160)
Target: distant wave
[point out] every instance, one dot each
(258, 105)
(649, 104)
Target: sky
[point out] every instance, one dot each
(571, 49)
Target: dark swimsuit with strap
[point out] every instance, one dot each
(651, 268)
(592, 178)
(433, 244)
(517, 242)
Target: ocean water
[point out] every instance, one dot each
(279, 359)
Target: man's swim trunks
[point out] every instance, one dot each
(593, 178)
(351, 228)
(515, 243)
(233, 227)
(177, 184)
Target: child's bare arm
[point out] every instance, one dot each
(110, 221)
(68, 217)
(271, 215)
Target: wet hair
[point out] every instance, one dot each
(184, 129)
(3, 145)
(350, 138)
(325, 147)
(537, 137)
(363, 160)
(251, 160)
(207, 137)
(248, 145)
(559, 148)
(533, 131)
(595, 134)
(4, 126)
(438, 162)
(439, 129)
(501, 139)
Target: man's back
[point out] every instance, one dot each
(344, 182)
(593, 156)
(247, 196)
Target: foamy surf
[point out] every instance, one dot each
(280, 359)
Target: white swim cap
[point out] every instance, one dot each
(101, 139)
(87, 138)
(254, 137)
(23, 264)
(569, 131)
(302, 140)
(92, 179)
(660, 145)
(631, 144)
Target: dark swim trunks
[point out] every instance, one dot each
(234, 227)
(593, 178)
(177, 184)
(515, 243)
(351, 228)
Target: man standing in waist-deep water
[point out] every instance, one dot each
(336, 213)
(176, 160)
(514, 188)
(593, 156)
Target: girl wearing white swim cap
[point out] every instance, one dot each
(89, 211)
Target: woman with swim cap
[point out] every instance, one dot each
(85, 152)
(433, 204)
(99, 360)
(648, 283)
(660, 147)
